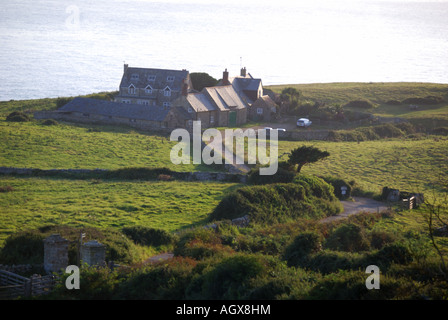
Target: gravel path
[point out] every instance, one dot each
(356, 206)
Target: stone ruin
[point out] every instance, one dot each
(56, 253)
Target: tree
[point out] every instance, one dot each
(304, 155)
(290, 98)
(201, 80)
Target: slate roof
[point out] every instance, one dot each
(115, 109)
(200, 102)
(225, 97)
(141, 77)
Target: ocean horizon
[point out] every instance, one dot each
(60, 48)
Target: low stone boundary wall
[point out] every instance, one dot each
(100, 173)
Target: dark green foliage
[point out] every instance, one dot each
(137, 173)
(362, 104)
(281, 176)
(428, 100)
(305, 155)
(337, 183)
(229, 279)
(148, 236)
(27, 246)
(6, 189)
(166, 281)
(50, 122)
(378, 239)
(373, 133)
(443, 131)
(18, 116)
(348, 237)
(303, 245)
(306, 197)
(201, 80)
(23, 248)
(62, 101)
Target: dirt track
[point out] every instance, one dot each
(356, 206)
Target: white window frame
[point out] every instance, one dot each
(166, 104)
(167, 92)
(148, 89)
(135, 77)
(151, 78)
(132, 89)
(212, 119)
(125, 101)
(170, 78)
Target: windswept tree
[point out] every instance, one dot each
(290, 98)
(201, 80)
(304, 155)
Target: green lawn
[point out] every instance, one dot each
(33, 145)
(408, 165)
(169, 205)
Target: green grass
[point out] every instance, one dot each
(169, 205)
(408, 165)
(378, 93)
(33, 145)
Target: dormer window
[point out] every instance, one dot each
(134, 77)
(170, 78)
(167, 92)
(148, 89)
(151, 78)
(131, 89)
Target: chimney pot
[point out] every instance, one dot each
(243, 72)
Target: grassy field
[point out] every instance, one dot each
(169, 205)
(408, 165)
(31, 144)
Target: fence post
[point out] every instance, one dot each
(28, 287)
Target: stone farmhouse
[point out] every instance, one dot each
(158, 99)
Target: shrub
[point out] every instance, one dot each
(148, 236)
(303, 245)
(362, 104)
(281, 176)
(393, 253)
(229, 279)
(60, 102)
(50, 122)
(337, 183)
(27, 246)
(430, 100)
(18, 116)
(348, 237)
(441, 131)
(306, 197)
(378, 239)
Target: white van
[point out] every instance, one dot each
(303, 122)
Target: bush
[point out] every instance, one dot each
(50, 122)
(18, 116)
(348, 237)
(429, 100)
(281, 176)
(441, 131)
(26, 247)
(148, 236)
(337, 184)
(306, 197)
(362, 104)
(303, 245)
(229, 279)
(378, 239)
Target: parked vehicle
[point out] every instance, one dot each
(303, 122)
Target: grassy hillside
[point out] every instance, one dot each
(106, 204)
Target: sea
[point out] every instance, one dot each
(60, 48)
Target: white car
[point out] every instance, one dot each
(303, 122)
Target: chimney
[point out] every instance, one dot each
(125, 67)
(225, 78)
(185, 88)
(243, 72)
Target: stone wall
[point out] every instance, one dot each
(93, 253)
